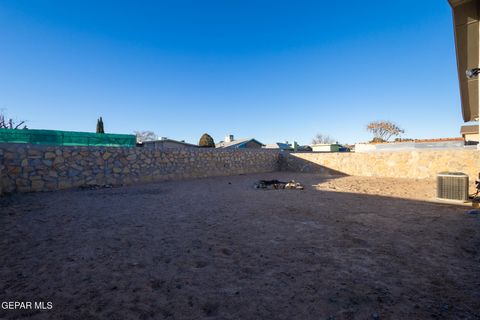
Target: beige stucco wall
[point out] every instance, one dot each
(471, 136)
(423, 164)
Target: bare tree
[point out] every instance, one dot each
(9, 123)
(322, 139)
(383, 130)
(143, 136)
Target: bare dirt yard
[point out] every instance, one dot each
(216, 248)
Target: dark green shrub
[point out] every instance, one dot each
(206, 141)
(100, 126)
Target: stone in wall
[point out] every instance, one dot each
(42, 168)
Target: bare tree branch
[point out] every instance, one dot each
(383, 130)
(19, 125)
(9, 123)
(143, 136)
(322, 139)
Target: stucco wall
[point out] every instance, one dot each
(471, 137)
(38, 168)
(423, 164)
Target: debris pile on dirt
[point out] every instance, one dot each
(276, 184)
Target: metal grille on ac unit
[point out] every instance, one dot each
(452, 186)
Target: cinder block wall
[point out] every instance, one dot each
(423, 164)
(43, 168)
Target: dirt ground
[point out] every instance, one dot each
(216, 248)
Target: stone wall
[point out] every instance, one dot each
(27, 168)
(424, 164)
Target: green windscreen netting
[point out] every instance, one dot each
(66, 138)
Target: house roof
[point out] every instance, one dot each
(279, 145)
(236, 143)
(170, 140)
(469, 129)
(455, 3)
(304, 148)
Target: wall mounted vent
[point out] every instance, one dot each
(452, 186)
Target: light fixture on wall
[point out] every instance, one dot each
(472, 73)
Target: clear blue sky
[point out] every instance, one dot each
(273, 70)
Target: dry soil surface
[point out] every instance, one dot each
(216, 248)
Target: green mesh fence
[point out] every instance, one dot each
(67, 138)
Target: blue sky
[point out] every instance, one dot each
(273, 70)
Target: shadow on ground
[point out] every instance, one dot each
(218, 248)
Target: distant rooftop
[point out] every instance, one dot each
(279, 145)
(235, 143)
(231, 142)
(163, 139)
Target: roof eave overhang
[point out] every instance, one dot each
(467, 34)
